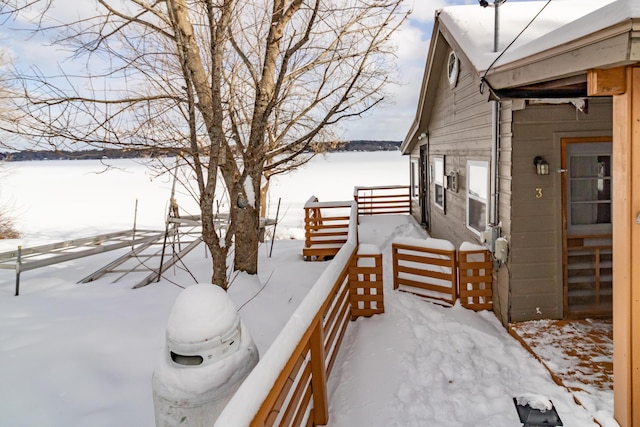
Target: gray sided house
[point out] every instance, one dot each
(507, 143)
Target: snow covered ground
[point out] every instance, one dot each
(83, 355)
(420, 364)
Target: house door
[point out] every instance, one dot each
(424, 185)
(587, 248)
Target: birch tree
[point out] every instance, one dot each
(244, 89)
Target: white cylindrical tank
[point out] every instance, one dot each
(208, 353)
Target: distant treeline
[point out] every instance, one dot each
(359, 145)
(363, 145)
(82, 154)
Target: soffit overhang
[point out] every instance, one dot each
(561, 72)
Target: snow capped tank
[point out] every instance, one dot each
(208, 353)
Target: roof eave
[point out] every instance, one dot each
(614, 46)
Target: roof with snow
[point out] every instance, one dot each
(545, 48)
(552, 24)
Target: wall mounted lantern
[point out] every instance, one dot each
(542, 166)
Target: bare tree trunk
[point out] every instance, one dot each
(247, 232)
(247, 242)
(209, 105)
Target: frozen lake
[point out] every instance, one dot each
(73, 198)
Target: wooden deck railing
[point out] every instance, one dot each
(476, 277)
(440, 273)
(381, 200)
(425, 271)
(288, 387)
(365, 278)
(326, 225)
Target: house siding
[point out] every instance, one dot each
(530, 286)
(536, 258)
(460, 129)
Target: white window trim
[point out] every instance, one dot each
(441, 182)
(484, 164)
(453, 68)
(414, 179)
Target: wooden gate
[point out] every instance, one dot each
(426, 270)
(436, 271)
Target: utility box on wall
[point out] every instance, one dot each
(452, 181)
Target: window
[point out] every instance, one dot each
(589, 185)
(453, 67)
(477, 195)
(414, 178)
(438, 182)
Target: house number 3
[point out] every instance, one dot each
(538, 193)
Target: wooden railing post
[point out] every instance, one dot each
(366, 293)
(475, 277)
(318, 376)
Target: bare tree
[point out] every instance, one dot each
(246, 88)
(7, 226)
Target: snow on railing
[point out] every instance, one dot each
(435, 270)
(426, 267)
(278, 391)
(326, 225)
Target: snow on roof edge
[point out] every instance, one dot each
(560, 22)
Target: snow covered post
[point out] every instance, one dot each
(209, 353)
(475, 277)
(365, 282)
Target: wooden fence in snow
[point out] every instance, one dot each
(425, 271)
(288, 387)
(475, 269)
(365, 278)
(326, 223)
(435, 270)
(382, 200)
(326, 226)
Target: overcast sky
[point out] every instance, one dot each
(389, 123)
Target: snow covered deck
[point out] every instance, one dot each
(423, 364)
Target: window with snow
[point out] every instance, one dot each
(477, 195)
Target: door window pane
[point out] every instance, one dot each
(586, 190)
(414, 178)
(589, 185)
(590, 213)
